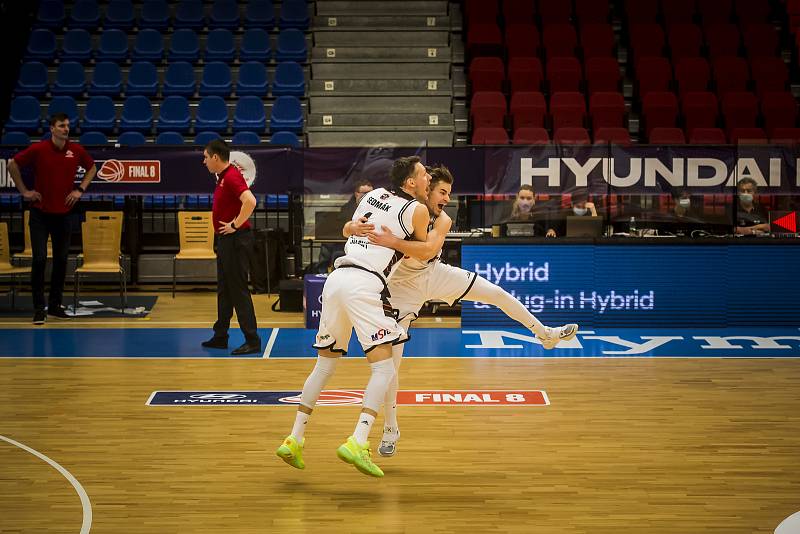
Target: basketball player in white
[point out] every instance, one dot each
(356, 296)
(416, 282)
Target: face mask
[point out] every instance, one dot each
(524, 206)
(684, 202)
(579, 211)
(746, 198)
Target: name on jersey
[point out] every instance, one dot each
(383, 206)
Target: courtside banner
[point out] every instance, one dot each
(350, 397)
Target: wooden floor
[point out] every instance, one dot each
(626, 446)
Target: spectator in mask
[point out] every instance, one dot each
(751, 218)
(580, 206)
(524, 209)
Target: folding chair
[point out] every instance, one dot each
(196, 239)
(102, 235)
(6, 268)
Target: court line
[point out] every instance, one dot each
(86, 525)
(271, 343)
(129, 322)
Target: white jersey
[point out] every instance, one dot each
(412, 267)
(382, 208)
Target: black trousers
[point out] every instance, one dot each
(59, 228)
(233, 292)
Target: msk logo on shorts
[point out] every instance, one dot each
(380, 334)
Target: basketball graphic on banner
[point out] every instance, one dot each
(111, 171)
(245, 164)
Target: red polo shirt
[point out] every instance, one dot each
(226, 206)
(54, 171)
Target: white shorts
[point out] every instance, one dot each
(354, 298)
(441, 282)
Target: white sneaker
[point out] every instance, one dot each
(389, 441)
(556, 335)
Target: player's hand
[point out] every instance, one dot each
(550, 233)
(361, 227)
(226, 228)
(72, 198)
(31, 195)
(383, 239)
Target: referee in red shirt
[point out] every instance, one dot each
(232, 207)
(55, 163)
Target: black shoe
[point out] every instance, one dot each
(247, 348)
(59, 312)
(39, 317)
(216, 343)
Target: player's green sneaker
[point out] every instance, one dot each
(291, 452)
(360, 456)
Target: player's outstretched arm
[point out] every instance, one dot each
(421, 250)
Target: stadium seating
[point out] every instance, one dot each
(131, 139)
(287, 115)
(32, 79)
(137, 114)
(99, 115)
(289, 79)
(106, 79)
(252, 79)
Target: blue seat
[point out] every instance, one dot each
(84, 14)
(64, 104)
(184, 45)
(289, 79)
(41, 46)
(119, 14)
(212, 114)
(255, 46)
(285, 138)
(25, 114)
(224, 14)
(189, 14)
(203, 138)
(249, 115)
(93, 138)
(287, 115)
(216, 79)
(174, 115)
(50, 14)
(32, 79)
(259, 14)
(70, 79)
(131, 139)
(99, 115)
(113, 45)
(245, 138)
(252, 79)
(149, 46)
(137, 114)
(294, 14)
(291, 46)
(154, 15)
(179, 79)
(15, 138)
(169, 138)
(220, 46)
(106, 79)
(76, 46)
(142, 79)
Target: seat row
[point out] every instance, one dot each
(157, 14)
(179, 79)
(148, 45)
(164, 138)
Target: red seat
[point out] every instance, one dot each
(602, 74)
(708, 136)
(597, 40)
(692, 74)
(779, 110)
(740, 110)
(730, 74)
(715, 11)
(769, 73)
(559, 40)
(555, 12)
(653, 74)
(638, 11)
(678, 11)
(518, 11)
(667, 136)
(568, 109)
(722, 40)
(647, 40)
(531, 136)
(607, 110)
(564, 74)
(484, 39)
(659, 109)
(752, 10)
(785, 136)
(486, 74)
(700, 110)
(748, 136)
(525, 74)
(522, 40)
(480, 11)
(591, 10)
(685, 40)
(761, 40)
(528, 109)
(489, 136)
(488, 108)
(572, 136)
(616, 136)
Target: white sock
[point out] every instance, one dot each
(390, 400)
(322, 372)
(382, 374)
(484, 291)
(299, 428)
(363, 427)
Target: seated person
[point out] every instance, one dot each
(580, 206)
(751, 217)
(524, 209)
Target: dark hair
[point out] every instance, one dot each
(361, 183)
(526, 187)
(747, 180)
(440, 174)
(58, 117)
(402, 169)
(220, 148)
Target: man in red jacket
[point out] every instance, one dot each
(55, 163)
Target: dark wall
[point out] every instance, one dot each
(16, 20)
